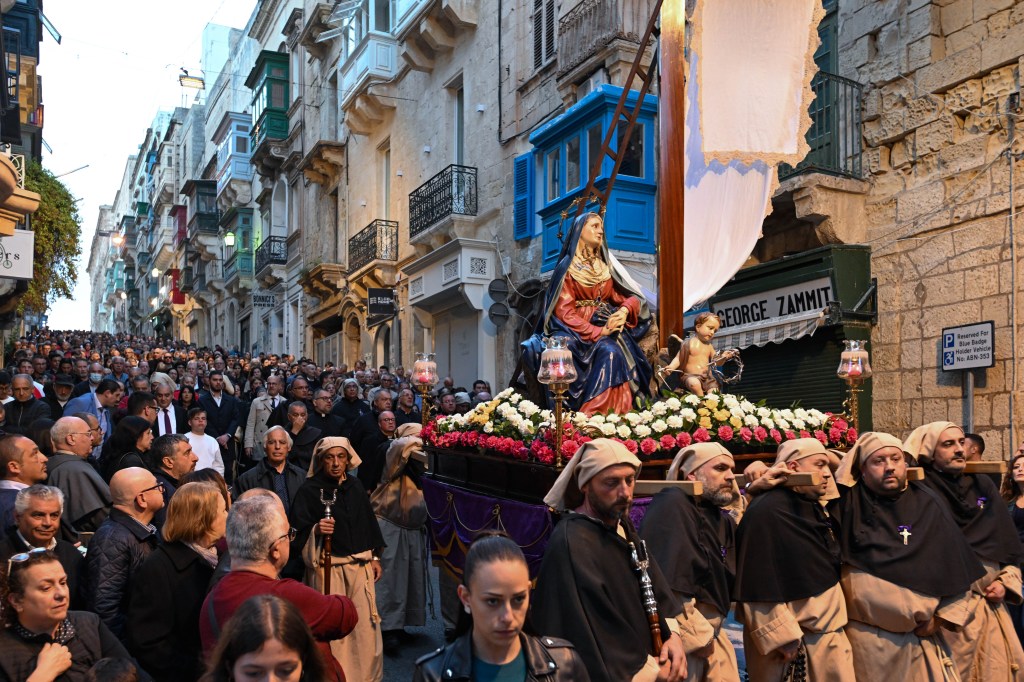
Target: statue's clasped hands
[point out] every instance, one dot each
(616, 322)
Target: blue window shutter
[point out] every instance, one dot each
(523, 211)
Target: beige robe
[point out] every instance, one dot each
(699, 625)
(883, 617)
(361, 652)
(819, 621)
(987, 648)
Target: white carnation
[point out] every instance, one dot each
(623, 431)
(751, 420)
(747, 406)
(633, 418)
(782, 424)
(799, 424)
(673, 403)
(659, 409)
(768, 423)
(612, 418)
(730, 401)
(642, 431)
(688, 414)
(608, 429)
(691, 399)
(528, 408)
(659, 425)
(763, 412)
(489, 427)
(675, 421)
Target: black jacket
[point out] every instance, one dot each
(330, 425)
(163, 614)
(350, 410)
(92, 641)
(20, 415)
(115, 554)
(260, 476)
(56, 409)
(170, 487)
(221, 420)
(548, 659)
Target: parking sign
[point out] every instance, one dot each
(968, 347)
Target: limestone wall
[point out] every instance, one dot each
(937, 78)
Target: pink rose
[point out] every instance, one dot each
(776, 436)
(725, 433)
(648, 446)
(760, 433)
(701, 435)
(683, 439)
(820, 435)
(746, 434)
(667, 442)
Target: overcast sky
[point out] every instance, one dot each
(116, 66)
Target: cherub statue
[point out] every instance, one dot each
(697, 356)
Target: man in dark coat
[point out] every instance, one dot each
(298, 392)
(63, 384)
(406, 412)
(373, 450)
(368, 424)
(25, 408)
(587, 589)
(304, 437)
(121, 544)
(169, 458)
(321, 417)
(38, 525)
(86, 494)
(223, 415)
(21, 465)
(274, 472)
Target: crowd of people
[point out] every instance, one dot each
(173, 513)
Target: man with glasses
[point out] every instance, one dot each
(99, 403)
(86, 493)
(259, 537)
(121, 544)
(320, 417)
(259, 413)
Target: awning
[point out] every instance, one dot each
(772, 330)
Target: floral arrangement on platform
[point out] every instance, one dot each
(513, 426)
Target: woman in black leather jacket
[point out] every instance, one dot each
(495, 593)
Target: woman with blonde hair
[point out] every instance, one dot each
(169, 588)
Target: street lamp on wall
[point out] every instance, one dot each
(229, 238)
(155, 273)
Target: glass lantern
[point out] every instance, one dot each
(424, 370)
(854, 363)
(556, 366)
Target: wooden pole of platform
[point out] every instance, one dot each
(671, 112)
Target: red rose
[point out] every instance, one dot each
(746, 434)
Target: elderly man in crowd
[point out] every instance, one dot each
(170, 418)
(87, 494)
(794, 611)
(258, 537)
(986, 648)
(121, 544)
(350, 406)
(37, 513)
(25, 408)
(63, 384)
(907, 568)
(99, 403)
(274, 472)
(21, 465)
(587, 589)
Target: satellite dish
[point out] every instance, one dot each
(498, 289)
(498, 314)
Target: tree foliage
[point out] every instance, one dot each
(58, 240)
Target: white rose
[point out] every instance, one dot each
(623, 431)
(659, 426)
(688, 414)
(642, 431)
(673, 403)
(675, 422)
(608, 429)
(750, 420)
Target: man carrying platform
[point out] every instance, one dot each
(692, 540)
(987, 647)
(906, 570)
(788, 570)
(589, 590)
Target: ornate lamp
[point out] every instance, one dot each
(424, 377)
(854, 369)
(557, 371)
(229, 238)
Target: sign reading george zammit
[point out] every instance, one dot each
(796, 298)
(969, 346)
(16, 254)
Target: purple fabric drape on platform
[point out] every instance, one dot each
(457, 516)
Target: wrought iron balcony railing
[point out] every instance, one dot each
(835, 132)
(273, 251)
(592, 24)
(238, 264)
(452, 191)
(376, 241)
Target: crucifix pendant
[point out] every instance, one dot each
(905, 532)
(981, 503)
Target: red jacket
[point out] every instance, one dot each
(329, 616)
